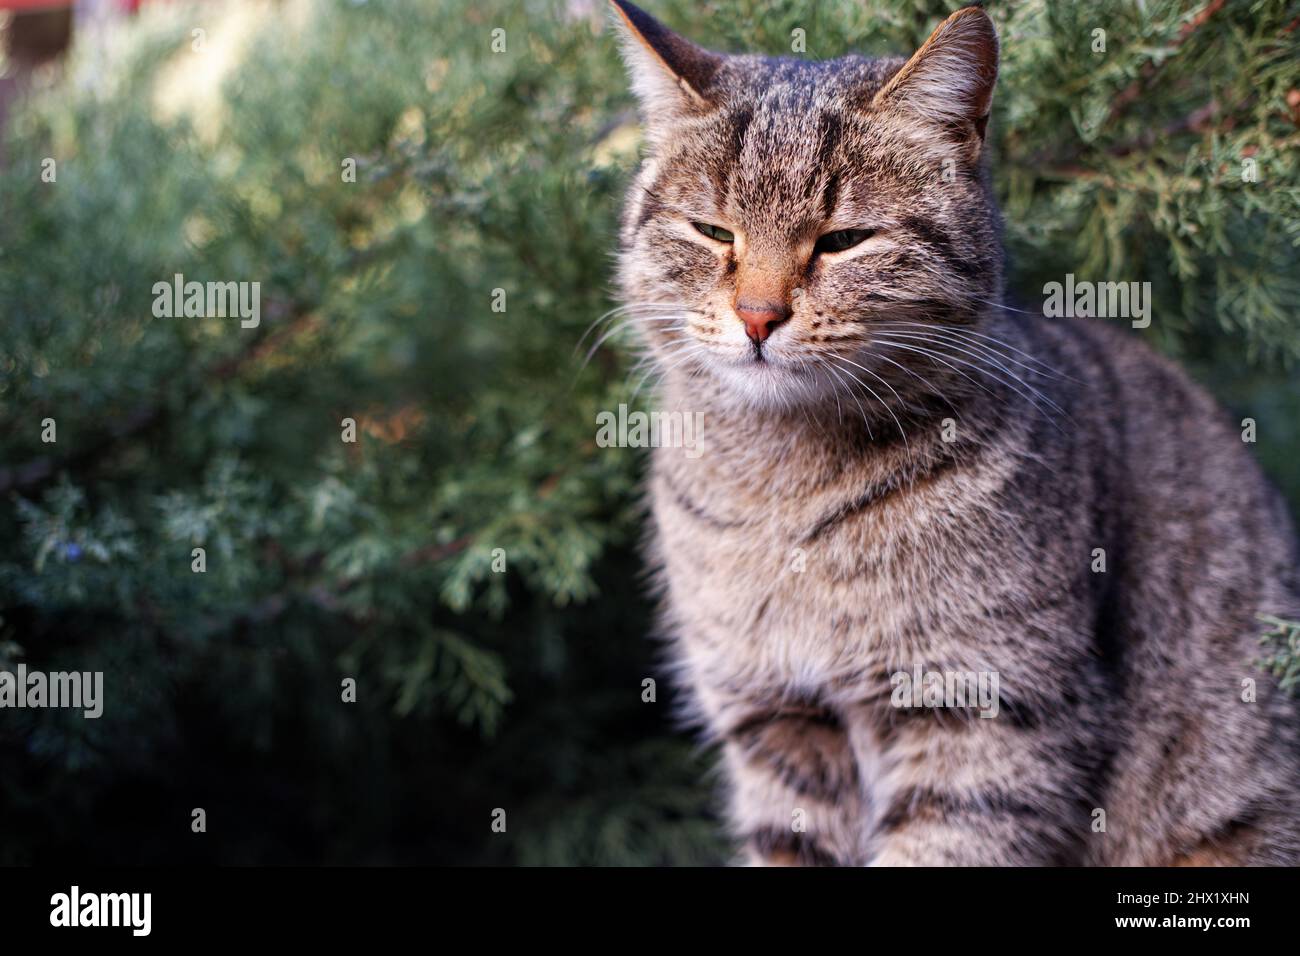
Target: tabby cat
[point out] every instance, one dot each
(905, 486)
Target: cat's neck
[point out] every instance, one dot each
(794, 449)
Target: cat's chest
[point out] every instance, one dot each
(814, 594)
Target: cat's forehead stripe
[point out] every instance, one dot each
(804, 185)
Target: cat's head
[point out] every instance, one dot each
(797, 223)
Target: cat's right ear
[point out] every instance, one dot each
(948, 83)
(671, 76)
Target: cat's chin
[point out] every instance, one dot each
(773, 385)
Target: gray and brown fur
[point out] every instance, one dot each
(828, 536)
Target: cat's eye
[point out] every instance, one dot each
(714, 232)
(842, 239)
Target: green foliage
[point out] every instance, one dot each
(475, 172)
(1282, 642)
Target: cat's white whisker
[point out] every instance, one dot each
(686, 351)
(1006, 371)
(916, 375)
(626, 323)
(941, 342)
(966, 333)
(861, 410)
(943, 358)
(821, 362)
(902, 431)
(628, 308)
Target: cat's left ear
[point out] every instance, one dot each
(671, 76)
(949, 81)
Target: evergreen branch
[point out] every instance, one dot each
(38, 471)
(1198, 120)
(1283, 661)
(1139, 85)
(329, 595)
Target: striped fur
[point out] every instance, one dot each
(907, 474)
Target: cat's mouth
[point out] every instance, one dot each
(760, 359)
(769, 379)
(765, 363)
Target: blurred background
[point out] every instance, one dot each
(430, 208)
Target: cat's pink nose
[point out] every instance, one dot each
(761, 319)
